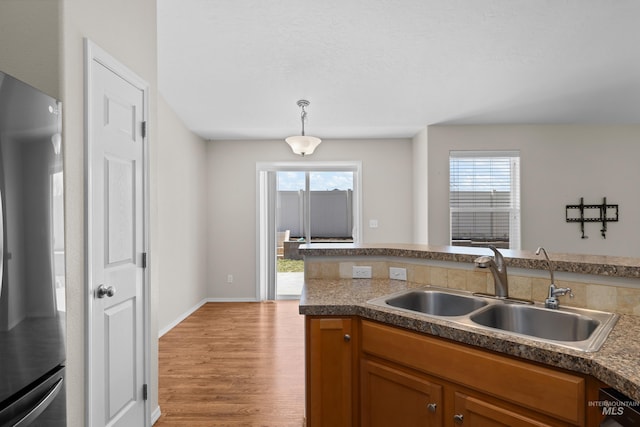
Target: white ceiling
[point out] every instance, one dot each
(234, 69)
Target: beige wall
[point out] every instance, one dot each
(182, 218)
(30, 42)
(386, 196)
(559, 164)
(127, 31)
(420, 168)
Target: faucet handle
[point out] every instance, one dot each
(565, 291)
(497, 255)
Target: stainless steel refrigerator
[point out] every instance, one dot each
(32, 291)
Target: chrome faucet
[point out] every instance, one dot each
(554, 291)
(498, 269)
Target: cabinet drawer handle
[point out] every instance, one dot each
(432, 407)
(458, 418)
(347, 337)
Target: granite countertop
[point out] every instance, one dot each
(616, 363)
(601, 265)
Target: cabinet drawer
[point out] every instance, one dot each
(390, 397)
(545, 390)
(475, 412)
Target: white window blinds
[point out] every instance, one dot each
(484, 198)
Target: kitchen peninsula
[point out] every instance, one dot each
(383, 345)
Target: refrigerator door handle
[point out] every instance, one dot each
(41, 405)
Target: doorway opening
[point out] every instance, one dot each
(302, 203)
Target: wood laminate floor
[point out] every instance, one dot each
(234, 364)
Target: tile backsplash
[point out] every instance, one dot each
(607, 297)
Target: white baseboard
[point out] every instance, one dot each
(246, 299)
(196, 307)
(181, 318)
(155, 415)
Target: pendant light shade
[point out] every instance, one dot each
(303, 144)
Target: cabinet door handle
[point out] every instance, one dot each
(432, 407)
(347, 337)
(458, 418)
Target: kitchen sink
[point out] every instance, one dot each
(575, 328)
(436, 303)
(537, 322)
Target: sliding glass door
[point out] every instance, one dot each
(301, 202)
(311, 206)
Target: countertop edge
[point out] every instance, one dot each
(614, 364)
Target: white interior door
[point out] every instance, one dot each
(116, 218)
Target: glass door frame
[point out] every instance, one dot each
(266, 214)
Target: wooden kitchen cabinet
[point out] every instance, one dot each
(369, 374)
(331, 360)
(479, 388)
(390, 397)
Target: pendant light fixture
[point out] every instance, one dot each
(303, 144)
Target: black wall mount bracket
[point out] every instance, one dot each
(602, 213)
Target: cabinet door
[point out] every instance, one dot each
(472, 411)
(330, 356)
(390, 397)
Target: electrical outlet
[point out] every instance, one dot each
(361, 272)
(397, 273)
(229, 278)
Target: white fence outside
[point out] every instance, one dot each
(331, 213)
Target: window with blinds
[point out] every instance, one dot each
(484, 198)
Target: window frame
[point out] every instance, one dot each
(513, 209)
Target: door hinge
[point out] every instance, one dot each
(145, 392)
(144, 260)
(144, 129)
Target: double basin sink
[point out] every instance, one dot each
(578, 329)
